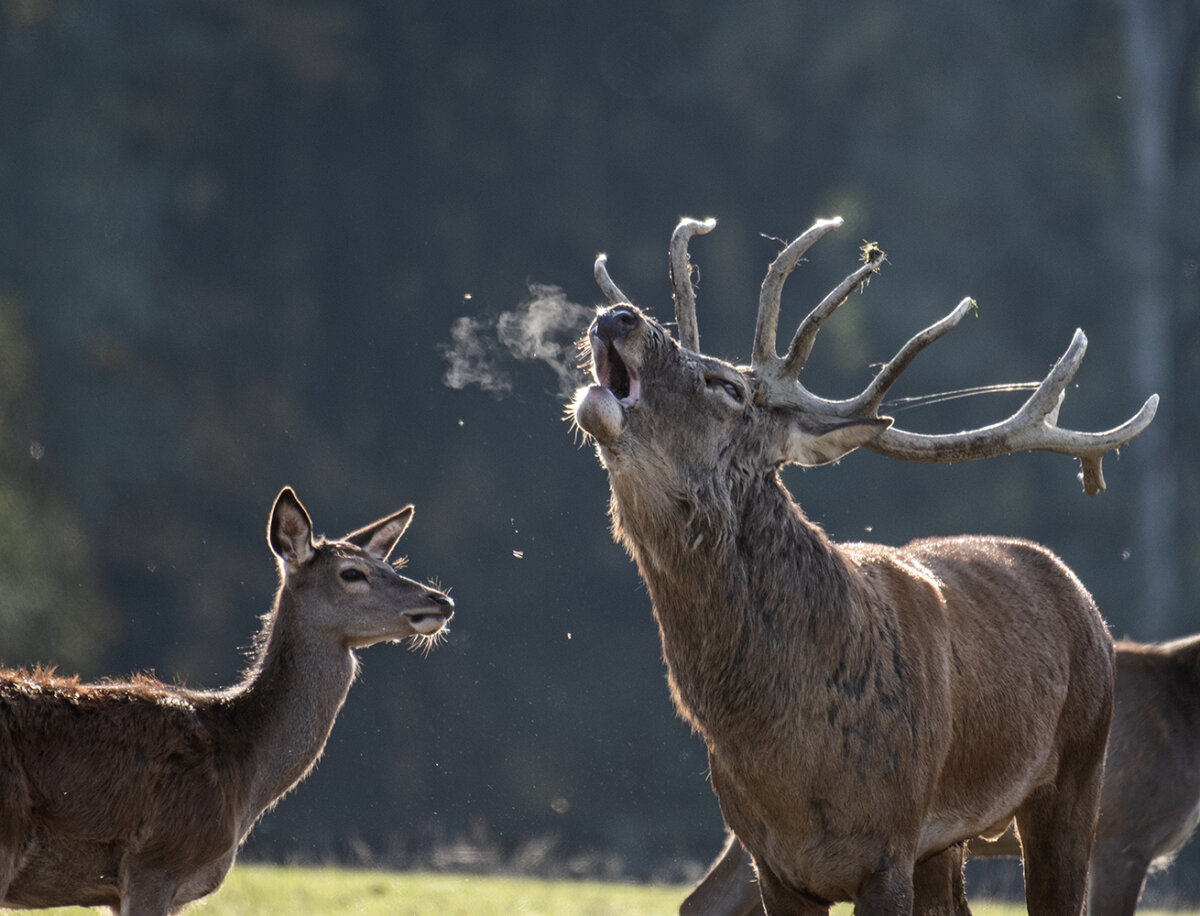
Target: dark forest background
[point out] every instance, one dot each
(238, 238)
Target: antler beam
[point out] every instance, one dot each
(1034, 427)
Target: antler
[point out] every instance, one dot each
(611, 291)
(1033, 427)
(681, 279)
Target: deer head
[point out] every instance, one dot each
(354, 593)
(759, 417)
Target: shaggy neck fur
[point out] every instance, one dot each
(724, 587)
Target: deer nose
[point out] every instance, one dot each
(614, 324)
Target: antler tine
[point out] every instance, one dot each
(767, 324)
(871, 398)
(1091, 474)
(806, 333)
(1033, 427)
(681, 280)
(611, 291)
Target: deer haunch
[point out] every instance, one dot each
(865, 708)
(137, 795)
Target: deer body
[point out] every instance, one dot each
(865, 708)
(855, 699)
(137, 795)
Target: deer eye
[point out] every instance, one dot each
(350, 574)
(732, 391)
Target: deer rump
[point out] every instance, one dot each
(865, 708)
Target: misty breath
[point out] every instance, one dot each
(544, 328)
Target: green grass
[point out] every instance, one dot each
(259, 890)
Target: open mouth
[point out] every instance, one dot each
(612, 373)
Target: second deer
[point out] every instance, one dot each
(137, 795)
(865, 708)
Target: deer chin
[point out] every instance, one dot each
(417, 624)
(599, 413)
(426, 624)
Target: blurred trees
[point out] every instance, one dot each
(236, 235)
(1162, 62)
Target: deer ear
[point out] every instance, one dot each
(290, 530)
(815, 441)
(378, 538)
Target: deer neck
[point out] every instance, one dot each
(727, 614)
(286, 706)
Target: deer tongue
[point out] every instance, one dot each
(599, 414)
(612, 372)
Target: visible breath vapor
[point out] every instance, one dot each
(543, 328)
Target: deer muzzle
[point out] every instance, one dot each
(614, 324)
(428, 621)
(600, 409)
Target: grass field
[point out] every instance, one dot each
(256, 889)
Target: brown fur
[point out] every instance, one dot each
(1151, 799)
(1149, 805)
(865, 707)
(135, 795)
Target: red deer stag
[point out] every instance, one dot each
(865, 708)
(1149, 803)
(137, 795)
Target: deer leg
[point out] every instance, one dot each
(146, 891)
(1116, 880)
(888, 892)
(154, 900)
(730, 887)
(1056, 828)
(1057, 821)
(780, 899)
(8, 870)
(938, 887)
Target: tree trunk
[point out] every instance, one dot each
(1155, 50)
